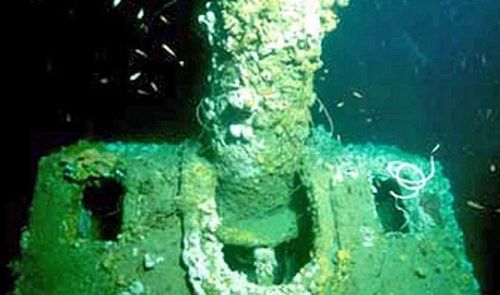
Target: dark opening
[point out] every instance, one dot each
(389, 208)
(291, 255)
(103, 202)
(241, 259)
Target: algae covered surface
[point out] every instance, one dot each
(359, 248)
(74, 244)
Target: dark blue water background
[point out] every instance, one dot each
(428, 72)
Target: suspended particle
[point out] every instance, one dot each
(340, 104)
(416, 70)
(116, 2)
(321, 108)
(357, 94)
(484, 61)
(491, 114)
(144, 28)
(487, 115)
(493, 168)
(168, 4)
(181, 63)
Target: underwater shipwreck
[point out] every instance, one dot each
(265, 203)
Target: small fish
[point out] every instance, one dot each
(140, 14)
(134, 76)
(153, 86)
(435, 148)
(357, 94)
(168, 49)
(142, 92)
(475, 205)
(141, 53)
(164, 19)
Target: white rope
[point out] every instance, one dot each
(415, 184)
